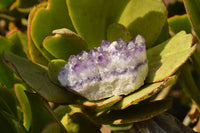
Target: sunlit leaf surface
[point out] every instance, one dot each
(166, 58)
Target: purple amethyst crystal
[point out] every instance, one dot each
(116, 68)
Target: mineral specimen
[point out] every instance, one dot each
(116, 68)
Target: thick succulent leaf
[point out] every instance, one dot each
(144, 17)
(116, 31)
(193, 11)
(134, 113)
(103, 104)
(54, 69)
(8, 99)
(64, 44)
(188, 84)
(24, 4)
(25, 105)
(121, 127)
(4, 4)
(6, 124)
(9, 124)
(35, 54)
(42, 115)
(196, 60)
(164, 123)
(5, 107)
(91, 18)
(166, 58)
(144, 93)
(6, 77)
(36, 76)
(164, 35)
(45, 20)
(20, 42)
(178, 23)
(61, 110)
(79, 123)
(53, 127)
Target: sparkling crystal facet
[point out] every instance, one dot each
(116, 68)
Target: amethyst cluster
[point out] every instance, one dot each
(116, 68)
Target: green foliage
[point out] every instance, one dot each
(4, 4)
(24, 4)
(121, 31)
(193, 10)
(7, 77)
(57, 29)
(166, 58)
(78, 123)
(91, 18)
(37, 78)
(8, 101)
(134, 113)
(178, 23)
(64, 44)
(20, 43)
(140, 18)
(45, 20)
(187, 82)
(103, 104)
(25, 105)
(35, 53)
(144, 93)
(41, 113)
(54, 68)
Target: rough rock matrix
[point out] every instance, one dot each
(116, 68)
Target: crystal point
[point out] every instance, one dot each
(116, 68)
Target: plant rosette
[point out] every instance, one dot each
(112, 83)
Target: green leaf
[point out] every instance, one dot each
(64, 44)
(23, 100)
(24, 4)
(4, 4)
(4, 107)
(36, 76)
(9, 124)
(196, 60)
(121, 127)
(54, 69)
(103, 104)
(164, 35)
(79, 123)
(165, 58)
(116, 31)
(9, 100)
(164, 123)
(35, 53)
(20, 42)
(6, 124)
(91, 18)
(134, 113)
(52, 128)
(7, 77)
(42, 115)
(188, 84)
(144, 93)
(144, 17)
(178, 23)
(45, 20)
(193, 11)
(61, 110)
